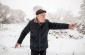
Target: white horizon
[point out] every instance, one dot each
(50, 6)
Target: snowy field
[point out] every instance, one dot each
(57, 46)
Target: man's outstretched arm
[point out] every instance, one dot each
(22, 35)
(61, 25)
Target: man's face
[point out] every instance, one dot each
(41, 16)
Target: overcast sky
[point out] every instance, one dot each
(49, 5)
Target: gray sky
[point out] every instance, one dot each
(49, 5)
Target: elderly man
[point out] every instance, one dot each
(39, 28)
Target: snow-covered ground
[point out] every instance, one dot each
(57, 46)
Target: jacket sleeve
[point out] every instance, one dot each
(58, 25)
(24, 33)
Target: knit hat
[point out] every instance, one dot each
(38, 10)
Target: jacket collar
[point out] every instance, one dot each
(36, 20)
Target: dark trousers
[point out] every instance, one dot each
(33, 52)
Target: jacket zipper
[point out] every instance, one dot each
(39, 37)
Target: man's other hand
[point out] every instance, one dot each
(17, 45)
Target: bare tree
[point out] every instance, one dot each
(16, 16)
(81, 27)
(8, 15)
(61, 16)
(4, 11)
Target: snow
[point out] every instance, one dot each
(57, 46)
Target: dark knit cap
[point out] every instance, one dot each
(40, 11)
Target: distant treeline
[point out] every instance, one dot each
(8, 15)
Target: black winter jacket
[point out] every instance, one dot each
(38, 33)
